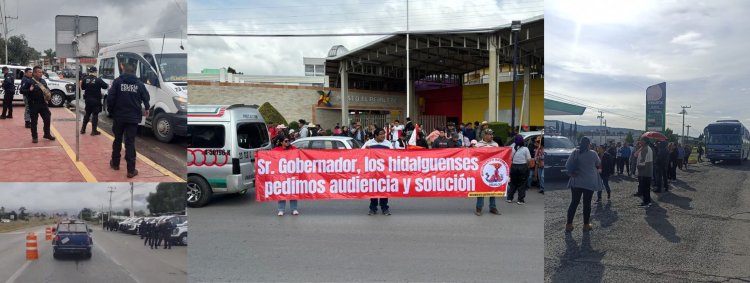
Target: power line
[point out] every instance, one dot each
(443, 31)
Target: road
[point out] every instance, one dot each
(424, 240)
(169, 155)
(697, 232)
(116, 257)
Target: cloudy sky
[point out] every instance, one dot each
(604, 54)
(118, 20)
(72, 197)
(283, 55)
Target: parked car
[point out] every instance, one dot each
(179, 233)
(557, 149)
(62, 91)
(327, 142)
(72, 237)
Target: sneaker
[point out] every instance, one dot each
(494, 211)
(541, 191)
(372, 212)
(34, 140)
(133, 174)
(95, 133)
(587, 227)
(568, 227)
(281, 213)
(113, 165)
(386, 212)
(295, 212)
(509, 201)
(478, 212)
(49, 137)
(83, 131)
(644, 205)
(521, 203)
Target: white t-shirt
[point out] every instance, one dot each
(375, 144)
(522, 156)
(394, 132)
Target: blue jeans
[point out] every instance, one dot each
(480, 202)
(292, 204)
(540, 178)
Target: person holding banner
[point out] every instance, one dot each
(519, 170)
(487, 141)
(378, 142)
(281, 142)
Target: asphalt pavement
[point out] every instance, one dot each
(116, 257)
(425, 240)
(697, 232)
(169, 155)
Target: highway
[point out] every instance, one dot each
(117, 257)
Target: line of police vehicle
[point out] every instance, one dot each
(179, 235)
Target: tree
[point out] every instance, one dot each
(629, 138)
(19, 51)
(671, 136)
(22, 215)
(86, 214)
(701, 137)
(271, 115)
(231, 71)
(169, 197)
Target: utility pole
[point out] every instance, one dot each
(683, 112)
(606, 131)
(600, 117)
(111, 190)
(5, 26)
(688, 132)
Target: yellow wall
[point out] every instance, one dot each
(476, 100)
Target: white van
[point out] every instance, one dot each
(62, 91)
(221, 153)
(162, 67)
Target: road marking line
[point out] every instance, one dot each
(25, 148)
(15, 276)
(116, 262)
(143, 158)
(87, 175)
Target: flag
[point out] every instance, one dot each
(324, 98)
(413, 138)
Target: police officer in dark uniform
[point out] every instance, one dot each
(38, 104)
(9, 89)
(141, 228)
(124, 102)
(92, 95)
(155, 239)
(24, 84)
(166, 233)
(146, 231)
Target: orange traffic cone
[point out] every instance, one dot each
(31, 248)
(48, 234)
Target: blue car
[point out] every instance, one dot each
(72, 237)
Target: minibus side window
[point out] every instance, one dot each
(107, 68)
(206, 136)
(252, 135)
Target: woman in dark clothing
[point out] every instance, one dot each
(608, 165)
(672, 175)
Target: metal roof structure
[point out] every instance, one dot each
(553, 107)
(442, 55)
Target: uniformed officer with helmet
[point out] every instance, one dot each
(124, 101)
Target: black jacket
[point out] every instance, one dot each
(125, 98)
(9, 85)
(36, 96)
(92, 89)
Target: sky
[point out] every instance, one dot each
(118, 20)
(72, 197)
(282, 56)
(606, 53)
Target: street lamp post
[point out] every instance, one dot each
(515, 27)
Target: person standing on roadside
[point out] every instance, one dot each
(645, 171)
(519, 170)
(672, 167)
(9, 89)
(688, 151)
(618, 159)
(680, 155)
(379, 142)
(700, 152)
(124, 103)
(92, 95)
(487, 141)
(38, 96)
(633, 161)
(625, 152)
(282, 143)
(661, 169)
(608, 161)
(583, 167)
(539, 156)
